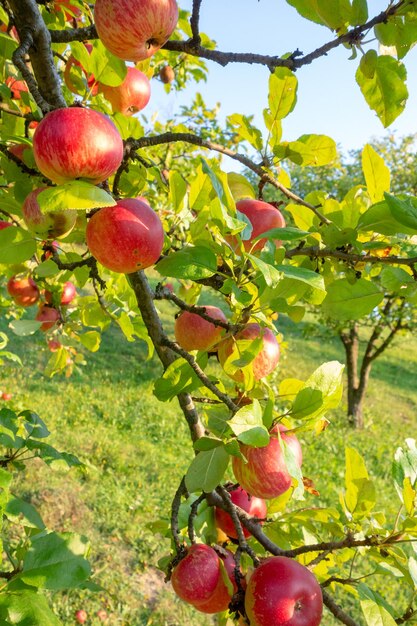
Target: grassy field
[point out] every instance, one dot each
(136, 449)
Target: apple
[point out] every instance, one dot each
(48, 316)
(132, 95)
(17, 149)
(127, 237)
(255, 507)
(102, 615)
(61, 5)
(264, 362)
(81, 616)
(134, 30)
(263, 217)
(283, 592)
(46, 225)
(192, 332)
(77, 143)
(24, 291)
(17, 87)
(4, 224)
(265, 475)
(198, 579)
(92, 84)
(6, 396)
(68, 294)
(54, 345)
(166, 74)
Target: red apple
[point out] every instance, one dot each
(81, 616)
(264, 362)
(54, 345)
(198, 580)
(283, 592)
(263, 217)
(132, 95)
(17, 149)
(134, 30)
(4, 224)
(67, 295)
(255, 507)
(265, 474)
(93, 85)
(17, 87)
(47, 225)
(24, 291)
(192, 332)
(127, 237)
(166, 74)
(6, 396)
(77, 143)
(48, 316)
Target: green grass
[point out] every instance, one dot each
(136, 449)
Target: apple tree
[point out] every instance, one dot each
(95, 205)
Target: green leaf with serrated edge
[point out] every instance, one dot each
(360, 496)
(351, 302)
(207, 470)
(192, 263)
(246, 130)
(308, 150)
(75, 195)
(321, 392)
(26, 608)
(403, 209)
(377, 174)
(56, 561)
(282, 97)
(105, 67)
(207, 443)
(247, 425)
(19, 511)
(16, 245)
(382, 82)
(285, 234)
(239, 186)
(376, 610)
(23, 328)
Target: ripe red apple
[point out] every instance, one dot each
(197, 579)
(192, 332)
(264, 362)
(283, 592)
(127, 237)
(263, 217)
(77, 143)
(47, 225)
(166, 74)
(17, 149)
(81, 616)
(48, 316)
(132, 95)
(265, 474)
(6, 396)
(92, 84)
(67, 295)
(17, 87)
(4, 224)
(54, 345)
(134, 30)
(255, 507)
(24, 291)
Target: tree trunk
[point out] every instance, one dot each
(357, 384)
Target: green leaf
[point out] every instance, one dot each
(312, 150)
(270, 274)
(380, 219)
(56, 561)
(394, 278)
(178, 377)
(312, 279)
(248, 426)
(76, 195)
(282, 97)
(351, 302)
(240, 186)
(284, 234)
(334, 14)
(24, 328)
(192, 263)
(26, 608)
(246, 130)
(382, 82)
(91, 340)
(207, 443)
(106, 68)
(177, 190)
(405, 466)
(19, 511)
(360, 496)
(56, 362)
(374, 607)
(207, 470)
(46, 269)
(16, 245)
(320, 393)
(377, 174)
(403, 210)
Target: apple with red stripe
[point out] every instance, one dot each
(131, 96)
(263, 217)
(255, 507)
(134, 30)
(193, 332)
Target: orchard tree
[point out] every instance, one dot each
(90, 199)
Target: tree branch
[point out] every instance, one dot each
(316, 252)
(194, 22)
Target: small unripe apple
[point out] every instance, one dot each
(263, 217)
(134, 30)
(24, 291)
(265, 474)
(282, 592)
(166, 74)
(255, 507)
(81, 616)
(265, 361)
(48, 316)
(127, 237)
(192, 332)
(67, 295)
(77, 143)
(132, 95)
(47, 225)
(17, 87)
(6, 396)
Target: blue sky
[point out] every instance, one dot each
(329, 101)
